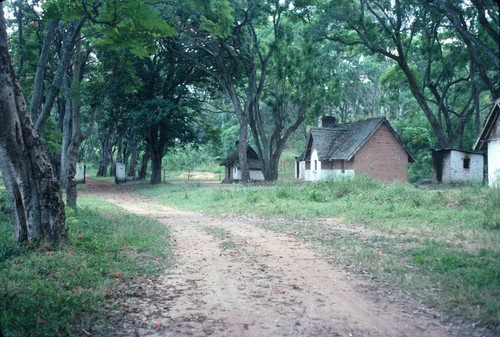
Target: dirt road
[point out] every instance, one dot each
(265, 284)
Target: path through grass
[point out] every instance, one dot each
(441, 246)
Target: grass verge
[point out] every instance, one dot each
(61, 292)
(442, 246)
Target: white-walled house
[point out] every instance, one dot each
(368, 147)
(450, 166)
(489, 142)
(232, 171)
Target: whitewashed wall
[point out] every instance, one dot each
(454, 171)
(494, 163)
(254, 174)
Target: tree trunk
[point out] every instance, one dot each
(132, 169)
(72, 31)
(156, 157)
(36, 97)
(66, 130)
(38, 210)
(76, 134)
(144, 166)
(105, 159)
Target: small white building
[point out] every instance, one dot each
(450, 166)
(232, 171)
(489, 142)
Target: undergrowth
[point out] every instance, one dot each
(45, 292)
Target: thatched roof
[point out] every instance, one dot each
(233, 159)
(342, 141)
(489, 123)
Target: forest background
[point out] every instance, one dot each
(148, 83)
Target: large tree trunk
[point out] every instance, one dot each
(156, 157)
(106, 157)
(38, 210)
(144, 166)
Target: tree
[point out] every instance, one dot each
(425, 50)
(34, 191)
(166, 110)
(241, 45)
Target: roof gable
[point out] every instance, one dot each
(233, 159)
(343, 141)
(488, 126)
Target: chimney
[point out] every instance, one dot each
(328, 121)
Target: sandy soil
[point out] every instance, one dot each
(268, 284)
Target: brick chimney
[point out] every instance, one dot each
(328, 121)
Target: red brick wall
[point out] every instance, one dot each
(382, 157)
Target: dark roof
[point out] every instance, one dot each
(342, 141)
(463, 151)
(234, 159)
(488, 126)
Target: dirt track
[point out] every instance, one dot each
(268, 284)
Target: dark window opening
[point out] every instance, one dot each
(315, 165)
(466, 163)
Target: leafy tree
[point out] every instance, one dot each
(436, 63)
(255, 53)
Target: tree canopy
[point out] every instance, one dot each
(132, 81)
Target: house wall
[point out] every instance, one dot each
(314, 172)
(300, 169)
(455, 171)
(494, 162)
(382, 157)
(254, 174)
(327, 169)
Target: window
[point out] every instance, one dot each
(315, 165)
(466, 163)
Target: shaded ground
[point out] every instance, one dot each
(248, 281)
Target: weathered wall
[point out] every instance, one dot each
(456, 171)
(382, 157)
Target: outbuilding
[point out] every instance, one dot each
(232, 168)
(450, 166)
(489, 143)
(368, 147)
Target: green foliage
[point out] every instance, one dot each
(54, 293)
(132, 24)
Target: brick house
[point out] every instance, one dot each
(369, 147)
(489, 142)
(232, 170)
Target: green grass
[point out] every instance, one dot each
(443, 246)
(220, 234)
(60, 292)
